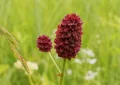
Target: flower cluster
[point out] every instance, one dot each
(44, 43)
(68, 36)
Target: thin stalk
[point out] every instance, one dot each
(54, 63)
(30, 80)
(63, 69)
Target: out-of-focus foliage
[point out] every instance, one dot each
(98, 62)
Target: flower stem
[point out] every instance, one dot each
(63, 69)
(30, 80)
(54, 62)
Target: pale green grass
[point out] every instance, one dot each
(27, 19)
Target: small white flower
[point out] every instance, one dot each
(90, 75)
(18, 65)
(92, 61)
(69, 72)
(88, 51)
(77, 61)
(31, 65)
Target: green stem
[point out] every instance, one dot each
(30, 80)
(54, 63)
(63, 69)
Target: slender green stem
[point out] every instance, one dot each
(63, 69)
(54, 62)
(30, 80)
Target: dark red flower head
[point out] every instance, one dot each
(68, 36)
(44, 43)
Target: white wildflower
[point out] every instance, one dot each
(88, 51)
(18, 65)
(69, 72)
(31, 65)
(92, 61)
(90, 75)
(77, 61)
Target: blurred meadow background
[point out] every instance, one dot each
(97, 63)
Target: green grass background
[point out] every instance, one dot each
(27, 19)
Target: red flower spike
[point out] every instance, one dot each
(44, 43)
(68, 36)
